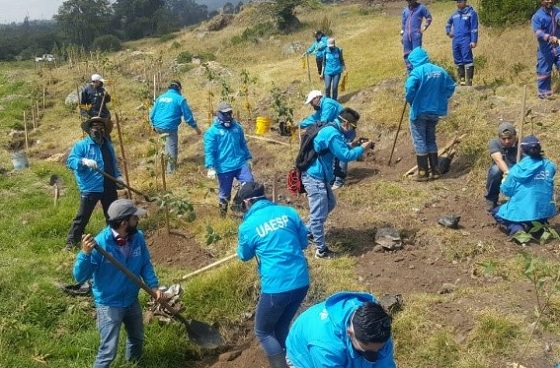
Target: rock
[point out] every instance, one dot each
(72, 99)
(447, 288)
(392, 303)
(389, 238)
(451, 221)
(229, 356)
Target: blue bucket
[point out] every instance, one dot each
(19, 159)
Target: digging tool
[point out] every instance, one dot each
(308, 72)
(522, 122)
(208, 267)
(201, 333)
(113, 179)
(441, 151)
(55, 181)
(397, 135)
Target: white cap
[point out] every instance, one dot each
(312, 95)
(330, 42)
(97, 77)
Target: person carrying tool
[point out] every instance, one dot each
(346, 330)
(427, 90)
(226, 155)
(547, 30)
(326, 109)
(114, 293)
(411, 28)
(328, 143)
(165, 118)
(503, 151)
(86, 158)
(333, 67)
(276, 236)
(530, 188)
(93, 102)
(318, 48)
(462, 28)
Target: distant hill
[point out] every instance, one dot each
(215, 4)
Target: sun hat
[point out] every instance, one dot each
(312, 95)
(97, 78)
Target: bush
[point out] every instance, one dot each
(107, 43)
(184, 57)
(506, 12)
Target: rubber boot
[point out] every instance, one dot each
(470, 74)
(223, 209)
(461, 74)
(434, 165)
(422, 174)
(277, 361)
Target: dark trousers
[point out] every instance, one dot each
(319, 62)
(88, 201)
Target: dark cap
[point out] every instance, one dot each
(349, 115)
(224, 107)
(89, 123)
(251, 190)
(531, 145)
(175, 84)
(123, 208)
(506, 129)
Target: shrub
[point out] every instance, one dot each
(184, 57)
(107, 43)
(167, 37)
(506, 12)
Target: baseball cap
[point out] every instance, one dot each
(312, 95)
(122, 208)
(96, 78)
(349, 115)
(224, 107)
(530, 142)
(330, 42)
(251, 190)
(506, 129)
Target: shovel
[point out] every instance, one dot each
(201, 333)
(114, 180)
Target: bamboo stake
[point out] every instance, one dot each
(211, 265)
(154, 87)
(37, 111)
(44, 96)
(522, 122)
(25, 132)
(33, 117)
(267, 140)
(165, 189)
(308, 71)
(123, 154)
(274, 189)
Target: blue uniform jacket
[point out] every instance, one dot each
(168, 109)
(412, 21)
(544, 25)
(331, 140)
(276, 235)
(318, 47)
(90, 101)
(318, 336)
(89, 180)
(428, 87)
(464, 24)
(530, 188)
(225, 149)
(111, 287)
(334, 62)
(329, 110)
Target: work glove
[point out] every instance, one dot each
(249, 164)
(211, 173)
(89, 163)
(120, 182)
(504, 176)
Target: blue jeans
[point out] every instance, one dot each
(171, 148)
(109, 320)
(321, 202)
(423, 131)
(493, 182)
(331, 85)
(225, 181)
(273, 317)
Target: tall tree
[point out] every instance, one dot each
(138, 18)
(187, 12)
(84, 20)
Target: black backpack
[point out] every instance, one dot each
(307, 154)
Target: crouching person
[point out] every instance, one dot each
(346, 330)
(530, 188)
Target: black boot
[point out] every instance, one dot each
(434, 165)
(223, 209)
(461, 74)
(470, 74)
(422, 174)
(277, 361)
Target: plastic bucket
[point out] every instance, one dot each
(19, 159)
(262, 125)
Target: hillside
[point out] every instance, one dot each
(472, 298)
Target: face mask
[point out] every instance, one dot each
(331, 48)
(97, 134)
(225, 118)
(316, 108)
(131, 230)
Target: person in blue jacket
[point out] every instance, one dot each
(427, 89)
(276, 236)
(94, 152)
(226, 155)
(165, 118)
(318, 48)
(317, 178)
(545, 26)
(326, 109)
(350, 330)
(412, 29)
(462, 27)
(333, 67)
(114, 294)
(530, 188)
(93, 102)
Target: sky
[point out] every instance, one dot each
(17, 10)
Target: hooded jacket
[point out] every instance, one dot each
(464, 24)
(329, 110)
(428, 87)
(89, 180)
(530, 188)
(318, 47)
(168, 109)
(276, 235)
(225, 149)
(318, 337)
(111, 287)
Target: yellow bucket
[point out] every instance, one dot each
(263, 125)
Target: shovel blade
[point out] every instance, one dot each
(203, 334)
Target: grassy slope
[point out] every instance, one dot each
(38, 324)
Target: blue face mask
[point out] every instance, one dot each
(225, 118)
